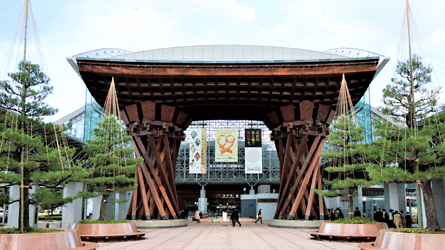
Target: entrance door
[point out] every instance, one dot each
(248, 208)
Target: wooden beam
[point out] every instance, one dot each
(124, 117)
(273, 118)
(300, 175)
(167, 113)
(288, 179)
(151, 184)
(330, 117)
(132, 112)
(307, 69)
(144, 194)
(182, 118)
(163, 173)
(321, 204)
(306, 110)
(323, 112)
(312, 192)
(148, 110)
(307, 177)
(288, 113)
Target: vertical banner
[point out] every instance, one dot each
(198, 150)
(253, 151)
(226, 145)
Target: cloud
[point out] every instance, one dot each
(437, 37)
(229, 10)
(130, 28)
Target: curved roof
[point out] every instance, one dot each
(229, 81)
(214, 53)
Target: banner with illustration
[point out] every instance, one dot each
(253, 152)
(226, 147)
(198, 149)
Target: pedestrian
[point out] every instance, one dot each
(408, 220)
(403, 217)
(235, 217)
(260, 217)
(332, 214)
(357, 212)
(397, 219)
(197, 217)
(391, 219)
(340, 215)
(378, 216)
(337, 213)
(385, 216)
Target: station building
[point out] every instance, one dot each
(226, 184)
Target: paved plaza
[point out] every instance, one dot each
(217, 236)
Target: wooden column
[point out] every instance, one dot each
(156, 139)
(300, 136)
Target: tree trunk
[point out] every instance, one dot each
(351, 203)
(103, 206)
(430, 208)
(26, 226)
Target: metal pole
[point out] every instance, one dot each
(22, 191)
(411, 101)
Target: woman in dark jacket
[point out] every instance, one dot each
(408, 220)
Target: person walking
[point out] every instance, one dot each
(403, 217)
(378, 216)
(337, 213)
(357, 212)
(391, 219)
(408, 220)
(385, 216)
(260, 217)
(340, 215)
(235, 217)
(397, 219)
(197, 217)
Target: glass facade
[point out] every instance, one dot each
(92, 116)
(76, 127)
(363, 113)
(233, 172)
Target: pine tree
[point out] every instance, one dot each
(111, 167)
(347, 160)
(50, 199)
(25, 158)
(413, 152)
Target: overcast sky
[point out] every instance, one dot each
(67, 28)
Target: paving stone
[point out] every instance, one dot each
(217, 236)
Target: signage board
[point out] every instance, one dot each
(198, 150)
(226, 147)
(253, 152)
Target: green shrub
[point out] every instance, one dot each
(32, 231)
(49, 217)
(416, 231)
(356, 220)
(101, 221)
